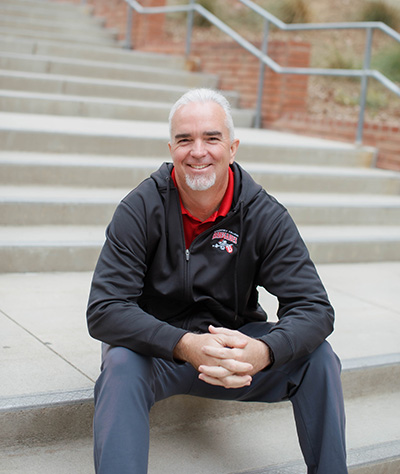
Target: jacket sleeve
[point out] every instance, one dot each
(113, 314)
(305, 314)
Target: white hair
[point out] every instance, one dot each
(205, 95)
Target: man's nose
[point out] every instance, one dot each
(198, 149)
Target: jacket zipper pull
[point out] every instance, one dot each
(187, 253)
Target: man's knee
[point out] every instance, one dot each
(324, 359)
(122, 367)
(125, 375)
(320, 372)
(122, 360)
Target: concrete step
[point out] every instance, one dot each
(104, 70)
(39, 5)
(60, 37)
(98, 107)
(88, 136)
(206, 435)
(49, 248)
(68, 456)
(44, 12)
(81, 86)
(109, 172)
(342, 209)
(76, 25)
(11, 44)
(48, 205)
(76, 248)
(340, 244)
(297, 178)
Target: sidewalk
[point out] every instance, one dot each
(46, 351)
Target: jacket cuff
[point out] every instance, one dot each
(279, 346)
(164, 342)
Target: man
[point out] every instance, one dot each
(174, 299)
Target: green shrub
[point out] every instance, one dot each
(378, 10)
(377, 99)
(388, 63)
(344, 97)
(335, 59)
(209, 5)
(293, 11)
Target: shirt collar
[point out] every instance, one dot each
(225, 205)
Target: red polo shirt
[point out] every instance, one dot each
(193, 226)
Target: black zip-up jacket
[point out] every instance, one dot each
(148, 289)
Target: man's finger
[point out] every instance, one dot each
(227, 357)
(225, 367)
(221, 330)
(232, 381)
(215, 371)
(230, 338)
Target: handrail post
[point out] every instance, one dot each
(190, 18)
(261, 76)
(364, 86)
(128, 34)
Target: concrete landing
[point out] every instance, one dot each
(43, 314)
(42, 318)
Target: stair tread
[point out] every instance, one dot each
(84, 125)
(48, 5)
(69, 456)
(95, 106)
(104, 65)
(111, 53)
(51, 235)
(60, 37)
(78, 234)
(76, 194)
(96, 81)
(54, 24)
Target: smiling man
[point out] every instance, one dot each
(174, 299)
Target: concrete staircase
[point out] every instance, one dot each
(81, 123)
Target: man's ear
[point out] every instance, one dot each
(234, 148)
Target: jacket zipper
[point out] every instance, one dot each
(187, 286)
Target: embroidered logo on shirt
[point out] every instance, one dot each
(226, 240)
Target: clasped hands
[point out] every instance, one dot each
(223, 356)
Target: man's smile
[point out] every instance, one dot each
(199, 167)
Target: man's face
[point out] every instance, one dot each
(200, 146)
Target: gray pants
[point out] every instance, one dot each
(130, 384)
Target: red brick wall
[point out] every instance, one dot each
(238, 70)
(385, 137)
(144, 27)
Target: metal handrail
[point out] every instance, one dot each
(265, 60)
